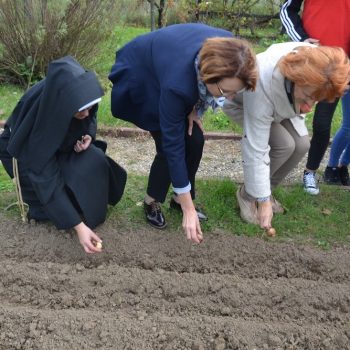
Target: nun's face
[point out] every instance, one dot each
(82, 114)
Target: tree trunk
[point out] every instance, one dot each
(198, 2)
(161, 13)
(152, 7)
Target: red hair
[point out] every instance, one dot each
(325, 69)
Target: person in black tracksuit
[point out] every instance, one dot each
(322, 22)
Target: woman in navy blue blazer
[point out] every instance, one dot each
(163, 82)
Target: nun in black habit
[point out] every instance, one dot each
(64, 174)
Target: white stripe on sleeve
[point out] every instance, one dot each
(287, 22)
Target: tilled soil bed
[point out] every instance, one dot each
(153, 289)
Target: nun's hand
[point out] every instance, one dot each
(193, 118)
(83, 144)
(87, 238)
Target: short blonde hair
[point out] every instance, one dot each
(323, 68)
(221, 58)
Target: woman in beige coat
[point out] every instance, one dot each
(292, 78)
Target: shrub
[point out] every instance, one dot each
(34, 32)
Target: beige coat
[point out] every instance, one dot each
(255, 111)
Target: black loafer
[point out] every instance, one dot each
(177, 206)
(154, 215)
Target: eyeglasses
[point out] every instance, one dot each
(219, 88)
(230, 93)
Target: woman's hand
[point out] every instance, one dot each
(87, 238)
(193, 118)
(83, 144)
(265, 214)
(190, 221)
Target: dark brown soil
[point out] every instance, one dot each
(155, 290)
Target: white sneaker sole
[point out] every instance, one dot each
(312, 191)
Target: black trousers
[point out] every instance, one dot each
(321, 133)
(159, 177)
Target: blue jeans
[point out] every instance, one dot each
(340, 150)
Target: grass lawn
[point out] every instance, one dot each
(315, 219)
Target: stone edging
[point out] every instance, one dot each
(137, 132)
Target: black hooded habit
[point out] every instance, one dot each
(57, 183)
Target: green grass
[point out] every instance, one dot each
(318, 220)
(7, 193)
(6, 184)
(121, 35)
(10, 94)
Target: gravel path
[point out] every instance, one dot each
(221, 158)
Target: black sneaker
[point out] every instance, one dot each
(154, 215)
(344, 175)
(177, 206)
(331, 176)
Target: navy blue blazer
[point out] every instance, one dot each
(155, 86)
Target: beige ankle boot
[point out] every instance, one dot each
(248, 206)
(276, 205)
